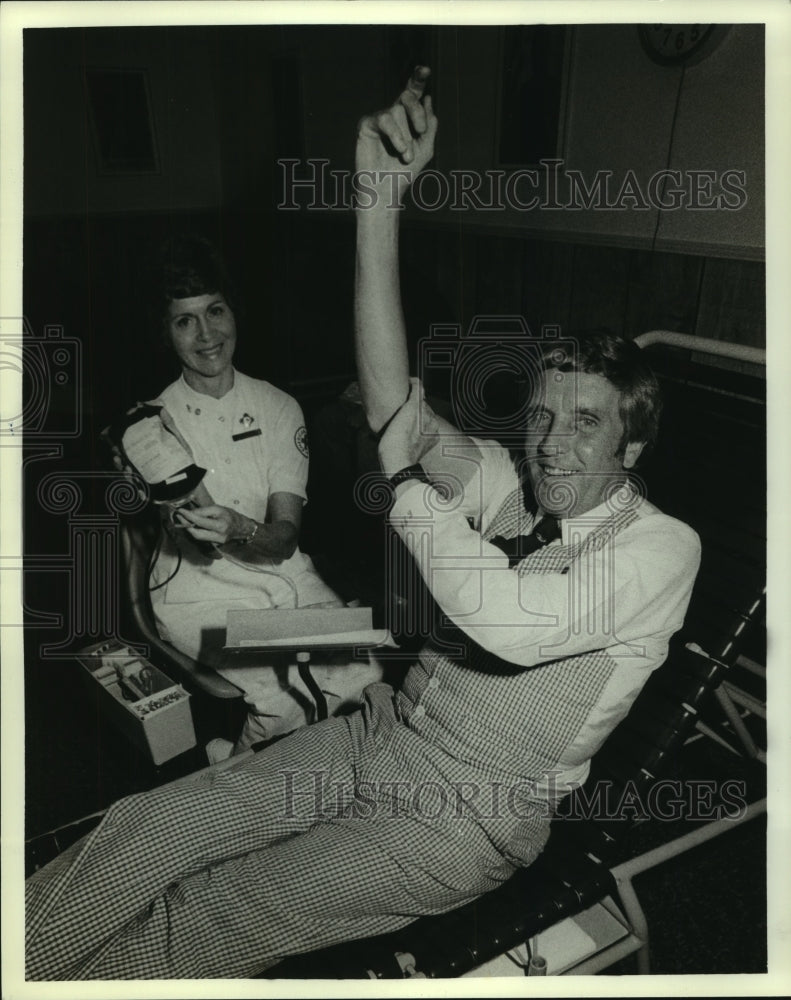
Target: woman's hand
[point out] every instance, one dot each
(215, 524)
(398, 140)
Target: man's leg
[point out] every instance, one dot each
(148, 842)
(341, 879)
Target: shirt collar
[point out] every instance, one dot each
(576, 528)
(202, 398)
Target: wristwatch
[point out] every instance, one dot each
(410, 472)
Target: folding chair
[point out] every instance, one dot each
(714, 443)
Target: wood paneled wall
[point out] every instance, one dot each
(296, 272)
(580, 285)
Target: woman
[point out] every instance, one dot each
(235, 546)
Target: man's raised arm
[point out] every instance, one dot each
(393, 146)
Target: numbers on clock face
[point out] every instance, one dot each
(670, 43)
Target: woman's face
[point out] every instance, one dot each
(202, 330)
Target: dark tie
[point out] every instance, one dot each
(546, 531)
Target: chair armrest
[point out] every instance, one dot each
(194, 674)
(136, 548)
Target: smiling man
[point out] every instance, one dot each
(560, 583)
(575, 432)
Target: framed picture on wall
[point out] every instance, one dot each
(534, 61)
(121, 121)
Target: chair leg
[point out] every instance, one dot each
(735, 720)
(625, 872)
(707, 731)
(639, 924)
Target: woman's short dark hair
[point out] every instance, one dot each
(187, 266)
(624, 365)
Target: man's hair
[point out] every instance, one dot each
(187, 266)
(623, 364)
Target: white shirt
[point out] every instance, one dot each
(626, 597)
(252, 443)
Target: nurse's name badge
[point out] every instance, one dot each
(246, 421)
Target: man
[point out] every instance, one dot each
(431, 796)
(615, 584)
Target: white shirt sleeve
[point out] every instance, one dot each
(483, 469)
(635, 586)
(288, 471)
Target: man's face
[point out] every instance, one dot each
(202, 330)
(573, 434)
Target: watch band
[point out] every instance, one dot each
(410, 472)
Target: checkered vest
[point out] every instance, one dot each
(509, 719)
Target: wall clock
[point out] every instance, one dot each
(677, 44)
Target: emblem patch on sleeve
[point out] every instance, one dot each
(301, 440)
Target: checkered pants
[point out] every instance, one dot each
(224, 877)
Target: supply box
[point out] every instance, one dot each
(145, 704)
